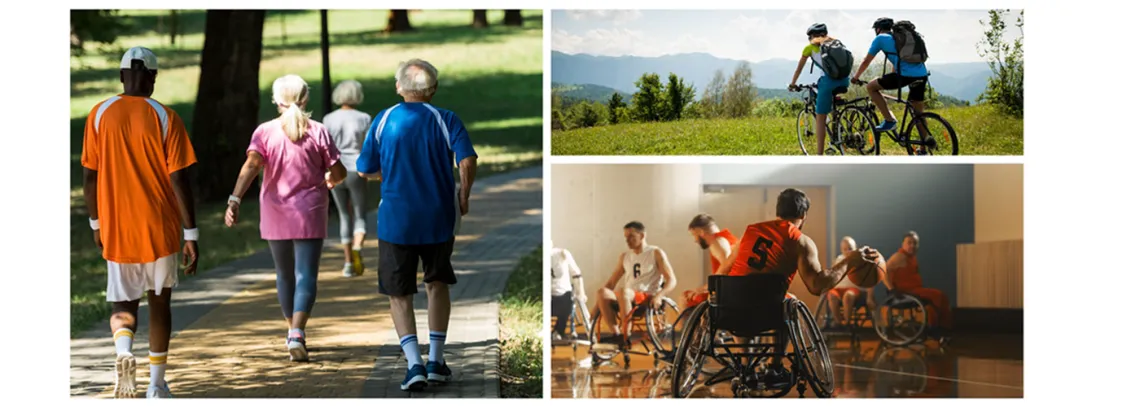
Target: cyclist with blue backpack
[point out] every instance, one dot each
(833, 58)
(906, 51)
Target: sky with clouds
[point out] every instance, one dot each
(757, 35)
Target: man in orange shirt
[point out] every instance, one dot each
(779, 246)
(717, 241)
(902, 276)
(135, 156)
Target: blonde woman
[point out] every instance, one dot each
(347, 127)
(301, 164)
(825, 93)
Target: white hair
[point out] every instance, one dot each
(420, 82)
(348, 92)
(850, 242)
(290, 93)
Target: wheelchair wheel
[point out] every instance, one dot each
(901, 320)
(600, 352)
(811, 351)
(696, 341)
(663, 329)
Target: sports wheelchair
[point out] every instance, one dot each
(579, 316)
(654, 328)
(756, 310)
(900, 320)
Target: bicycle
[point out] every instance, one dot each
(926, 123)
(845, 129)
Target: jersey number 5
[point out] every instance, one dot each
(760, 250)
(636, 270)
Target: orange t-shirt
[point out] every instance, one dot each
(135, 143)
(731, 242)
(764, 246)
(906, 277)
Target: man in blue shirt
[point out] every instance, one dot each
(410, 148)
(905, 74)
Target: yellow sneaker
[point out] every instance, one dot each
(357, 263)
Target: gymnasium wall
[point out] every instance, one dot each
(590, 203)
(878, 203)
(990, 270)
(999, 202)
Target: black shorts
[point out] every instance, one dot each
(917, 85)
(396, 275)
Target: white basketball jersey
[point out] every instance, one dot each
(559, 273)
(641, 271)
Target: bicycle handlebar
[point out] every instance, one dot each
(803, 87)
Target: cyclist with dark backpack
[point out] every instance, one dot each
(906, 51)
(833, 58)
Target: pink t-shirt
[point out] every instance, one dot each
(294, 198)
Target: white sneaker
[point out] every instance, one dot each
(348, 271)
(297, 350)
(125, 377)
(159, 392)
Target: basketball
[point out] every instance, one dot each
(866, 275)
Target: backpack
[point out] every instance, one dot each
(909, 43)
(835, 59)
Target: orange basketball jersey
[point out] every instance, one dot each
(731, 242)
(766, 245)
(907, 277)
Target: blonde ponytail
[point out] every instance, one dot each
(290, 93)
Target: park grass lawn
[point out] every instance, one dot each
(520, 325)
(981, 130)
(491, 77)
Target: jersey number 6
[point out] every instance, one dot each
(760, 250)
(636, 270)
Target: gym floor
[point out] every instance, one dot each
(969, 366)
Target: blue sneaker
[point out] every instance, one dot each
(887, 125)
(415, 380)
(438, 372)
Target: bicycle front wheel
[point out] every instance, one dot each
(805, 130)
(930, 134)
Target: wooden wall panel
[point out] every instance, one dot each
(990, 274)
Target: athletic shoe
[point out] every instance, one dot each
(415, 380)
(155, 392)
(357, 263)
(125, 377)
(349, 271)
(887, 125)
(438, 372)
(777, 376)
(297, 350)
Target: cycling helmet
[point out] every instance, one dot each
(817, 29)
(883, 23)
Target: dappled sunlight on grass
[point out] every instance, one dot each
(520, 327)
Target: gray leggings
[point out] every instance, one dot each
(353, 186)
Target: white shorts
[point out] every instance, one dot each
(128, 282)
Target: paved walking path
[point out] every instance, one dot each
(229, 336)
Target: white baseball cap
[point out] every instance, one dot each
(141, 53)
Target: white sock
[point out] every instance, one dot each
(435, 352)
(124, 338)
(157, 369)
(411, 346)
(296, 333)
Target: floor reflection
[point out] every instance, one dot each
(969, 367)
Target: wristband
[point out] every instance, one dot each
(94, 224)
(190, 234)
(234, 198)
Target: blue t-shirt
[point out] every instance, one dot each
(411, 146)
(884, 42)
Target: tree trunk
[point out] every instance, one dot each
(225, 112)
(480, 19)
(513, 17)
(173, 27)
(398, 21)
(326, 77)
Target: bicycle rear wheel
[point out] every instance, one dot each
(857, 130)
(930, 134)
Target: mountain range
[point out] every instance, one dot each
(961, 80)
